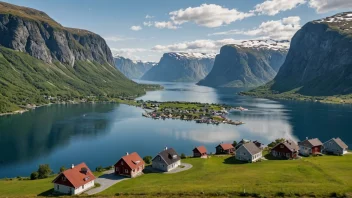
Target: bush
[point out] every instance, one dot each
(183, 156)
(62, 169)
(44, 171)
(148, 159)
(34, 175)
(99, 169)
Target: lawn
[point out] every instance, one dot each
(223, 176)
(320, 176)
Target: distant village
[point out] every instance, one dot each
(79, 178)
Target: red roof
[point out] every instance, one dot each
(133, 160)
(201, 149)
(226, 146)
(76, 176)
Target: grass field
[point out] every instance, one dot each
(223, 176)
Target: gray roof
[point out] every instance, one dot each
(169, 156)
(311, 142)
(340, 143)
(252, 148)
(291, 145)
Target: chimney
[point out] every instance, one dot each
(165, 148)
(127, 153)
(306, 138)
(72, 166)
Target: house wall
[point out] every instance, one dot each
(83, 188)
(333, 148)
(219, 150)
(303, 150)
(63, 189)
(160, 164)
(198, 154)
(121, 168)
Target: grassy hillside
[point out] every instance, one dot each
(25, 80)
(224, 176)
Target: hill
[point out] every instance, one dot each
(249, 64)
(181, 67)
(40, 59)
(132, 69)
(318, 65)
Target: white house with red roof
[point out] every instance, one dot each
(74, 181)
(130, 165)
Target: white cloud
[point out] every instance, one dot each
(165, 24)
(205, 46)
(208, 15)
(148, 23)
(130, 53)
(117, 38)
(322, 6)
(136, 28)
(273, 7)
(282, 29)
(149, 16)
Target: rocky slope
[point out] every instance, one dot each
(132, 69)
(318, 63)
(181, 67)
(40, 58)
(249, 64)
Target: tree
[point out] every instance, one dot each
(183, 156)
(62, 169)
(34, 175)
(44, 171)
(148, 159)
(277, 141)
(234, 144)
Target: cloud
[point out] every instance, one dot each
(149, 16)
(148, 23)
(117, 38)
(205, 46)
(282, 29)
(273, 7)
(322, 6)
(136, 28)
(165, 24)
(208, 15)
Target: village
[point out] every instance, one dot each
(202, 113)
(80, 179)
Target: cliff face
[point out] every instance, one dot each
(40, 59)
(181, 67)
(249, 64)
(132, 69)
(49, 43)
(319, 60)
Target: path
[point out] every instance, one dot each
(176, 170)
(106, 180)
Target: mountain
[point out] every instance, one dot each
(41, 58)
(181, 67)
(131, 68)
(318, 63)
(248, 64)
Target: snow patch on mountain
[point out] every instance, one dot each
(265, 44)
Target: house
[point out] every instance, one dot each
(75, 180)
(200, 151)
(249, 152)
(224, 149)
(310, 146)
(259, 144)
(166, 160)
(335, 146)
(286, 150)
(130, 165)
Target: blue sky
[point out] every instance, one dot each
(184, 25)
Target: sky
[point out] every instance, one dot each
(144, 30)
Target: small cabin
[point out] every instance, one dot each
(200, 151)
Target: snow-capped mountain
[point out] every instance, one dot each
(133, 69)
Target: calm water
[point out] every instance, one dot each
(99, 134)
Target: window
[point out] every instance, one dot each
(159, 158)
(63, 178)
(83, 186)
(281, 146)
(126, 170)
(121, 162)
(58, 187)
(117, 169)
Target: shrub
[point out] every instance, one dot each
(44, 171)
(62, 169)
(183, 156)
(34, 175)
(148, 159)
(99, 169)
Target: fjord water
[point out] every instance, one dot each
(99, 134)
